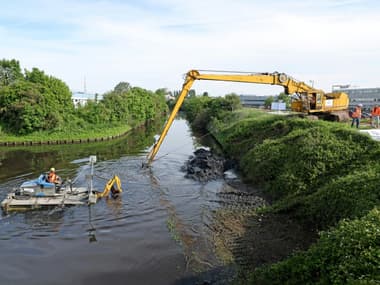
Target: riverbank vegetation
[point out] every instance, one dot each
(322, 174)
(37, 107)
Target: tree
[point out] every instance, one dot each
(24, 108)
(191, 93)
(233, 101)
(176, 93)
(268, 102)
(33, 101)
(162, 91)
(122, 87)
(284, 98)
(10, 71)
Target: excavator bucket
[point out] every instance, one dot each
(113, 186)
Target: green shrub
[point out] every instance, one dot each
(301, 161)
(349, 196)
(321, 173)
(201, 110)
(33, 102)
(349, 254)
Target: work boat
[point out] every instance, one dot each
(39, 193)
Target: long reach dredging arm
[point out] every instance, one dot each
(308, 100)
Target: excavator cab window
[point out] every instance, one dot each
(313, 101)
(318, 101)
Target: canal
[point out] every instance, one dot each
(159, 232)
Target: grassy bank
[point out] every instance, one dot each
(322, 174)
(68, 133)
(347, 254)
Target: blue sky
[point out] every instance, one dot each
(151, 44)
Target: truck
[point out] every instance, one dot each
(305, 98)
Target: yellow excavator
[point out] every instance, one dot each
(305, 98)
(111, 188)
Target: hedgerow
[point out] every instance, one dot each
(324, 175)
(348, 254)
(33, 102)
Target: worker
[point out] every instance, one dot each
(52, 177)
(356, 115)
(375, 115)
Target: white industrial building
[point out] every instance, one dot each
(81, 98)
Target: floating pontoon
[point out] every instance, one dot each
(38, 193)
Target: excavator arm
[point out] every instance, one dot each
(311, 99)
(113, 186)
(290, 85)
(189, 80)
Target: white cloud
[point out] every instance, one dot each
(107, 42)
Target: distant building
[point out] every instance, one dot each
(366, 96)
(253, 100)
(81, 98)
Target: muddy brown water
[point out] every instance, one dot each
(165, 229)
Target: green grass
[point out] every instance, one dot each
(322, 174)
(69, 133)
(347, 254)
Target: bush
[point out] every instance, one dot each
(322, 174)
(302, 160)
(349, 196)
(201, 110)
(349, 254)
(33, 101)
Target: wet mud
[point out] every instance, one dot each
(248, 237)
(241, 232)
(204, 166)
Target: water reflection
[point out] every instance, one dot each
(15, 161)
(155, 233)
(91, 230)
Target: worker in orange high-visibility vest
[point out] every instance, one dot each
(356, 115)
(375, 115)
(52, 177)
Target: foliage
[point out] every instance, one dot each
(348, 254)
(10, 72)
(193, 106)
(34, 102)
(307, 166)
(320, 173)
(348, 196)
(201, 110)
(282, 97)
(191, 93)
(122, 87)
(133, 107)
(302, 160)
(268, 102)
(94, 113)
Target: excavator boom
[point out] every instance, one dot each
(290, 85)
(310, 100)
